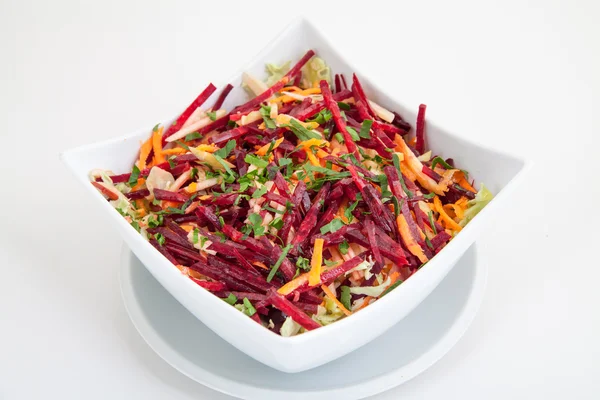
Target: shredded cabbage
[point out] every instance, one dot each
(364, 266)
(483, 197)
(328, 314)
(315, 70)
(373, 291)
(275, 73)
(289, 328)
(159, 179)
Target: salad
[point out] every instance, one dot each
(299, 207)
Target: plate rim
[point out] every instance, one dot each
(376, 385)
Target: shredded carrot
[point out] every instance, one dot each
(293, 284)
(145, 152)
(410, 241)
(365, 302)
(175, 150)
(412, 141)
(314, 277)
(191, 188)
(263, 150)
(260, 265)
(139, 184)
(159, 157)
(335, 300)
(314, 142)
(445, 217)
(290, 89)
(287, 99)
(311, 157)
(407, 171)
(166, 204)
(187, 227)
(465, 184)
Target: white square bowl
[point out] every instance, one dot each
(500, 173)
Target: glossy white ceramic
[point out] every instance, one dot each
(400, 354)
(500, 172)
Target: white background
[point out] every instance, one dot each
(519, 76)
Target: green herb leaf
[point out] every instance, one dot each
(133, 178)
(353, 134)
(275, 267)
(343, 247)
(231, 124)
(231, 299)
(192, 136)
(155, 129)
(322, 117)
(249, 307)
(348, 211)
(430, 215)
(396, 161)
(160, 238)
(195, 235)
(194, 173)
(224, 164)
(181, 144)
(277, 223)
(259, 192)
(429, 196)
(345, 297)
(265, 112)
(429, 243)
(212, 115)
(365, 129)
(172, 163)
(343, 106)
(255, 160)
(255, 225)
(224, 152)
(394, 286)
(154, 222)
(338, 136)
(333, 226)
(135, 225)
(396, 206)
(273, 210)
(303, 263)
(301, 132)
(156, 202)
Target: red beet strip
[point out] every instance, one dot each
(202, 97)
(163, 251)
(420, 143)
(332, 105)
(222, 97)
(310, 219)
(211, 286)
(359, 94)
(160, 194)
(288, 308)
(228, 135)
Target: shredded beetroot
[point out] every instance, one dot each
(310, 219)
(359, 94)
(332, 105)
(420, 144)
(253, 228)
(163, 251)
(212, 286)
(287, 307)
(160, 194)
(295, 70)
(222, 97)
(202, 97)
(232, 134)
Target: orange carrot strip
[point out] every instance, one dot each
(157, 146)
(260, 265)
(176, 150)
(314, 276)
(410, 241)
(145, 149)
(445, 217)
(335, 300)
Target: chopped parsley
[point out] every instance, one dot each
(231, 299)
(255, 160)
(133, 178)
(265, 112)
(343, 247)
(212, 115)
(160, 238)
(345, 297)
(192, 136)
(275, 267)
(333, 226)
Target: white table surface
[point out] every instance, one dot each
(519, 76)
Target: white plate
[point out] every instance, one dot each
(403, 352)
